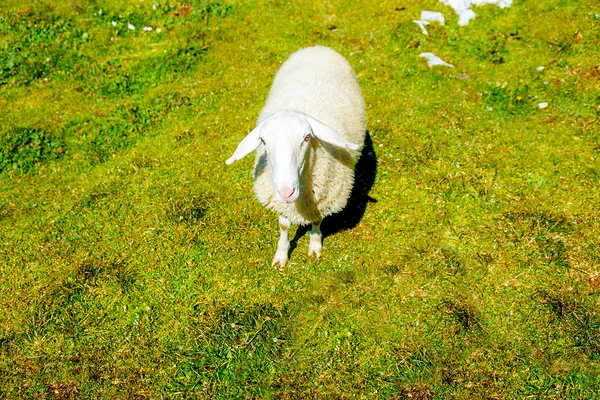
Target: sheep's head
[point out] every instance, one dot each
(287, 136)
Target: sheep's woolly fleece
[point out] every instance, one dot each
(312, 81)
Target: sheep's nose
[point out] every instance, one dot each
(286, 193)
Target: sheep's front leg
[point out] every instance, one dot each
(283, 245)
(316, 239)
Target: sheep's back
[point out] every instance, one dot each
(321, 83)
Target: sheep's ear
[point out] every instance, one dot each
(246, 146)
(330, 135)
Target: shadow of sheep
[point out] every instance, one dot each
(365, 172)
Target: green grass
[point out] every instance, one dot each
(135, 264)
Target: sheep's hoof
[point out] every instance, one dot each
(280, 259)
(315, 250)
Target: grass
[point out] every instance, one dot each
(135, 264)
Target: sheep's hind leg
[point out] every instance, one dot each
(283, 245)
(316, 240)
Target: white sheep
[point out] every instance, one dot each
(308, 138)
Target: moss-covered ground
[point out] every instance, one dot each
(135, 264)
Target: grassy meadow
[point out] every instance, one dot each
(134, 264)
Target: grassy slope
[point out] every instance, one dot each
(136, 264)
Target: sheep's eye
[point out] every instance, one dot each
(307, 138)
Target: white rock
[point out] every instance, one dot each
(433, 60)
(422, 26)
(463, 7)
(433, 16)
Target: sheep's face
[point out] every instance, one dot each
(287, 139)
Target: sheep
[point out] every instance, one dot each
(308, 138)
